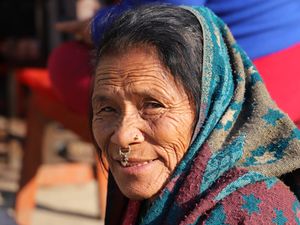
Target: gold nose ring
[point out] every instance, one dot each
(136, 137)
(124, 153)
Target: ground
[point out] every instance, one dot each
(64, 204)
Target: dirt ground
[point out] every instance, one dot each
(68, 204)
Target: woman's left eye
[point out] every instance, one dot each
(152, 109)
(153, 105)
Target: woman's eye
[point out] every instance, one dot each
(153, 105)
(152, 109)
(107, 109)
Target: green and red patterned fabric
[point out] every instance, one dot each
(241, 143)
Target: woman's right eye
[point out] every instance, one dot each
(107, 109)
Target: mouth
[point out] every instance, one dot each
(134, 166)
(132, 163)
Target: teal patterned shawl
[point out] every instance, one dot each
(239, 127)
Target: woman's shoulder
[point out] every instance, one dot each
(265, 202)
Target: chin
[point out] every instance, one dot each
(142, 182)
(138, 192)
(135, 194)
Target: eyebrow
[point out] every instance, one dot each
(99, 98)
(152, 93)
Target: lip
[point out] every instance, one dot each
(136, 166)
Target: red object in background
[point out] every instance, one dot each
(37, 79)
(70, 71)
(60, 96)
(281, 74)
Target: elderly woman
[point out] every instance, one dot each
(186, 124)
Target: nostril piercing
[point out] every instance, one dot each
(124, 155)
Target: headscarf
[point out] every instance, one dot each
(241, 139)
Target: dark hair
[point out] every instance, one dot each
(174, 32)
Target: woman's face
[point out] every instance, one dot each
(137, 102)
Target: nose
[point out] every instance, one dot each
(128, 132)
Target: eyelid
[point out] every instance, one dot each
(106, 107)
(101, 107)
(154, 102)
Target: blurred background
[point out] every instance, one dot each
(48, 168)
(49, 172)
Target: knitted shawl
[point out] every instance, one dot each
(242, 140)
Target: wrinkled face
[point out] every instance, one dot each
(137, 102)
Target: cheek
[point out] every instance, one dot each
(97, 136)
(173, 133)
(100, 134)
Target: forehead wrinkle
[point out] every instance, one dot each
(132, 77)
(106, 78)
(126, 92)
(149, 84)
(148, 79)
(157, 90)
(153, 78)
(105, 94)
(134, 69)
